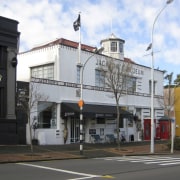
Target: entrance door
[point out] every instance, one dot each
(75, 133)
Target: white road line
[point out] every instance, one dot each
(62, 170)
(160, 160)
(163, 161)
(173, 163)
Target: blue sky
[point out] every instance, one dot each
(45, 20)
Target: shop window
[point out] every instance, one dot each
(46, 115)
(100, 120)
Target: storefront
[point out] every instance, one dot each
(97, 120)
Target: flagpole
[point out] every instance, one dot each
(81, 100)
(79, 43)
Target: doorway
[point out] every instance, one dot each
(75, 131)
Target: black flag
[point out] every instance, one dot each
(149, 47)
(77, 23)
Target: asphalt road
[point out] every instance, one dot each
(164, 167)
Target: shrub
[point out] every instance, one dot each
(176, 143)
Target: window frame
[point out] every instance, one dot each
(45, 71)
(114, 47)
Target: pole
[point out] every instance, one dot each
(152, 78)
(81, 113)
(81, 101)
(172, 134)
(79, 59)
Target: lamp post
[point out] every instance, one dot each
(152, 76)
(81, 101)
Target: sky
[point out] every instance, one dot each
(41, 21)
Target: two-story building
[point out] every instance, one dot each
(55, 67)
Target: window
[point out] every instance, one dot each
(113, 46)
(130, 84)
(44, 71)
(100, 120)
(99, 78)
(121, 49)
(46, 115)
(78, 74)
(150, 87)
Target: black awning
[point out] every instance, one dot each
(91, 111)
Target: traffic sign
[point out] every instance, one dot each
(80, 103)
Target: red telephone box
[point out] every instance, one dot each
(165, 128)
(147, 129)
(162, 128)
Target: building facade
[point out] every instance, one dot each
(9, 36)
(177, 111)
(54, 69)
(172, 107)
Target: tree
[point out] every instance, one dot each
(27, 100)
(169, 96)
(169, 77)
(118, 78)
(177, 80)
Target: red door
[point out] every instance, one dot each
(147, 129)
(158, 134)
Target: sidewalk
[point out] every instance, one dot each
(20, 153)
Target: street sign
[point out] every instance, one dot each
(80, 103)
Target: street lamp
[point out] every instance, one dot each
(152, 76)
(81, 101)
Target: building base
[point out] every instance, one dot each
(8, 132)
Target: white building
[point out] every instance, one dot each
(55, 69)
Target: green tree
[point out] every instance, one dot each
(177, 80)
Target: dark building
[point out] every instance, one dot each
(9, 39)
(22, 94)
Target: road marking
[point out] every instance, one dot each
(160, 160)
(86, 176)
(108, 177)
(164, 161)
(172, 163)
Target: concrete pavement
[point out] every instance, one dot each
(22, 153)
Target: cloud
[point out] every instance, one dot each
(45, 20)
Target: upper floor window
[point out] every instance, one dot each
(44, 71)
(78, 74)
(131, 84)
(113, 46)
(99, 78)
(121, 47)
(150, 87)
